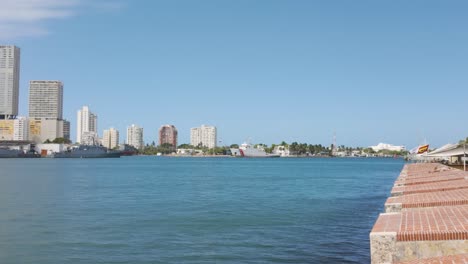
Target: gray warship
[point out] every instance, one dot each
(87, 152)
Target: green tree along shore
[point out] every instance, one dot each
(295, 148)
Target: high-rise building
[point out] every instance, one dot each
(9, 81)
(66, 129)
(46, 111)
(110, 138)
(46, 99)
(86, 129)
(135, 136)
(21, 128)
(168, 135)
(203, 136)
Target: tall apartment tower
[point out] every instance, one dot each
(9, 81)
(86, 129)
(46, 99)
(110, 138)
(168, 135)
(135, 136)
(205, 136)
(46, 110)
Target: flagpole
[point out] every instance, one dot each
(464, 156)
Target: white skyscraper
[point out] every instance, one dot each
(203, 136)
(9, 81)
(110, 138)
(86, 129)
(46, 99)
(135, 136)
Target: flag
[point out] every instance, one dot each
(423, 149)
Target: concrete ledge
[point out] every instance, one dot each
(452, 259)
(412, 251)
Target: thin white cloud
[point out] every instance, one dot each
(25, 18)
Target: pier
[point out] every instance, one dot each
(425, 218)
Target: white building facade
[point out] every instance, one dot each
(110, 138)
(86, 128)
(9, 81)
(135, 136)
(21, 128)
(205, 136)
(385, 146)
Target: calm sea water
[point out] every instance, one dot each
(191, 210)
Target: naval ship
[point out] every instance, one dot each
(87, 151)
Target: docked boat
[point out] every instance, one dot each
(10, 153)
(16, 153)
(86, 152)
(246, 150)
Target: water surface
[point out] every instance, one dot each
(191, 210)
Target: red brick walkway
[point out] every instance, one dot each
(431, 199)
(434, 223)
(429, 203)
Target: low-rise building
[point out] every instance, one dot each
(7, 129)
(283, 151)
(43, 129)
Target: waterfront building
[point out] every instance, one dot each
(46, 111)
(9, 81)
(45, 129)
(86, 126)
(21, 128)
(283, 151)
(205, 136)
(46, 99)
(168, 135)
(7, 128)
(110, 138)
(384, 146)
(66, 129)
(135, 136)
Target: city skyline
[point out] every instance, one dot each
(287, 73)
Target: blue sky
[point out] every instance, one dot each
(269, 70)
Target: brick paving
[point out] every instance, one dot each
(429, 202)
(434, 223)
(430, 187)
(436, 177)
(431, 199)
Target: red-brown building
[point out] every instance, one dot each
(168, 134)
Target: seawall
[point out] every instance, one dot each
(425, 218)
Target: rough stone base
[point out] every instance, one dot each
(393, 207)
(382, 246)
(407, 251)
